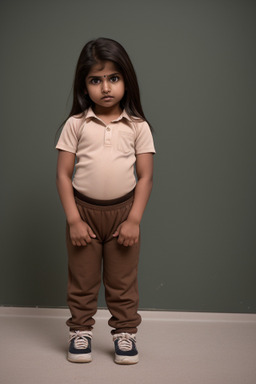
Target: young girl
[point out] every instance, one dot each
(108, 134)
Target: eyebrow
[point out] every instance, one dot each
(100, 77)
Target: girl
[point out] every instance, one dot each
(108, 134)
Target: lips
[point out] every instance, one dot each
(107, 98)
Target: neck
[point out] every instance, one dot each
(110, 112)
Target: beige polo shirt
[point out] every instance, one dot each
(106, 154)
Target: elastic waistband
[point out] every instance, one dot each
(103, 203)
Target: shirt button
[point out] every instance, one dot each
(108, 129)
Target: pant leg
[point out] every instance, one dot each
(120, 270)
(84, 279)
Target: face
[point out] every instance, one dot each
(105, 85)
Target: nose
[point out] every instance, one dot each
(105, 86)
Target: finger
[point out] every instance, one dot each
(88, 239)
(91, 233)
(126, 243)
(135, 241)
(117, 232)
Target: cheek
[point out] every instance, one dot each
(91, 91)
(122, 89)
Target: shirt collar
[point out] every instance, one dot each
(91, 114)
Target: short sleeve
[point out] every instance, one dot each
(68, 139)
(144, 141)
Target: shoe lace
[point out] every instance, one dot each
(125, 341)
(81, 339)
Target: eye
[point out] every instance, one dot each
(114, 79)
(94, 81)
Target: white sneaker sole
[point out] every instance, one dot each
(126, 360)
(82, 358)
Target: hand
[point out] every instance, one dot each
(128, 233)
(81, 233)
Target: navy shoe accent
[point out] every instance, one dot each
(80, 347)
(125, 349)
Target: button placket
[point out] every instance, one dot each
(108, 136)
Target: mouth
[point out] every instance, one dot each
(106, 98)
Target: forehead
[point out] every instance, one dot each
(103, 68)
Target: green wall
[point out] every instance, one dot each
(196, 62)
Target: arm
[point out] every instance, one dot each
(80, 232)
(128, 231)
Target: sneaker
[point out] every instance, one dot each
(125, 349)
(80, 347)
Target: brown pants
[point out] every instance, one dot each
(120, 266)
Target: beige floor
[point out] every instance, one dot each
(175, 348)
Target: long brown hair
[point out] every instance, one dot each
(100, 50)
